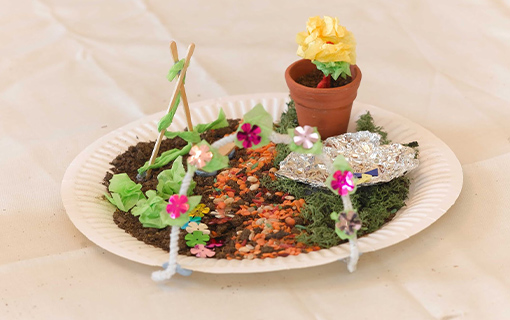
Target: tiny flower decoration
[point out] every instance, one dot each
(197, 237)
(343, 181)
(305, 140)
(178, 204)
(192, 219)
(305, 136)
(213, 243)
(202, 252)
(330, 46)
(347, 223)
(173, 214)
(200, 211)
(256, 128)
(193, 226)
(207, 158)
(199, 156)
(249, 135)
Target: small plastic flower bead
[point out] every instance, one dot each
(192, 219)
(199, 156)
(220, 214)
(213, 243)
(193, 226)
(249, 135)
(199, 211)
(343, 181)
(305, 136)
(201, 251)
(177, 205)
(197, 237)
(348, 222)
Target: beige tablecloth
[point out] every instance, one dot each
(72, 71)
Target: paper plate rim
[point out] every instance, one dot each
(92, 215)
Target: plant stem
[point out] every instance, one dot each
(325, 82)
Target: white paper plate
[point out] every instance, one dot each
(435, 186)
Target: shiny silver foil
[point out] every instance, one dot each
(363, 152)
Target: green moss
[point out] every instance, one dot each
(376, 204)
(282, 151)
(288, 120)
(415, 146)
(366, 123)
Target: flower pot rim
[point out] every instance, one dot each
(355, 80)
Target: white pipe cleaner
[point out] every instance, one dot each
(171, 268)
(353, 242)
(280, 138)
(224, 141)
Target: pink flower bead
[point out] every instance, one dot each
(177, 205)
(249, 135)
(305, 136)
(199, 156)
(343, 181)
(202, 252)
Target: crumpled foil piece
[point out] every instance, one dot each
(363, 152)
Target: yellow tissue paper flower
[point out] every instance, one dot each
(326, 41)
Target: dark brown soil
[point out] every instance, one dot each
(312, 80)
(227, 230)
(136, 156)
(129, 162)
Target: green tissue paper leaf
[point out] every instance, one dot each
(194, 136)
(193, 201)
(167, 119)
(149, 211)
(335, 69)
(260, 117)
(170, 181)
(221, 122)
(124, 192)
(165, 158)
(188, 136)
(175, 69)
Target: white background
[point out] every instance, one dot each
(72, 71)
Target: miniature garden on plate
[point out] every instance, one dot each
(214, 190)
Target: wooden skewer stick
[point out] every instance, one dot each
(184, 98)
(155, 151)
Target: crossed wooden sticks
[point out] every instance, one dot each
(184, 98)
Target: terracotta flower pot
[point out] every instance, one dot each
(328, 109)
